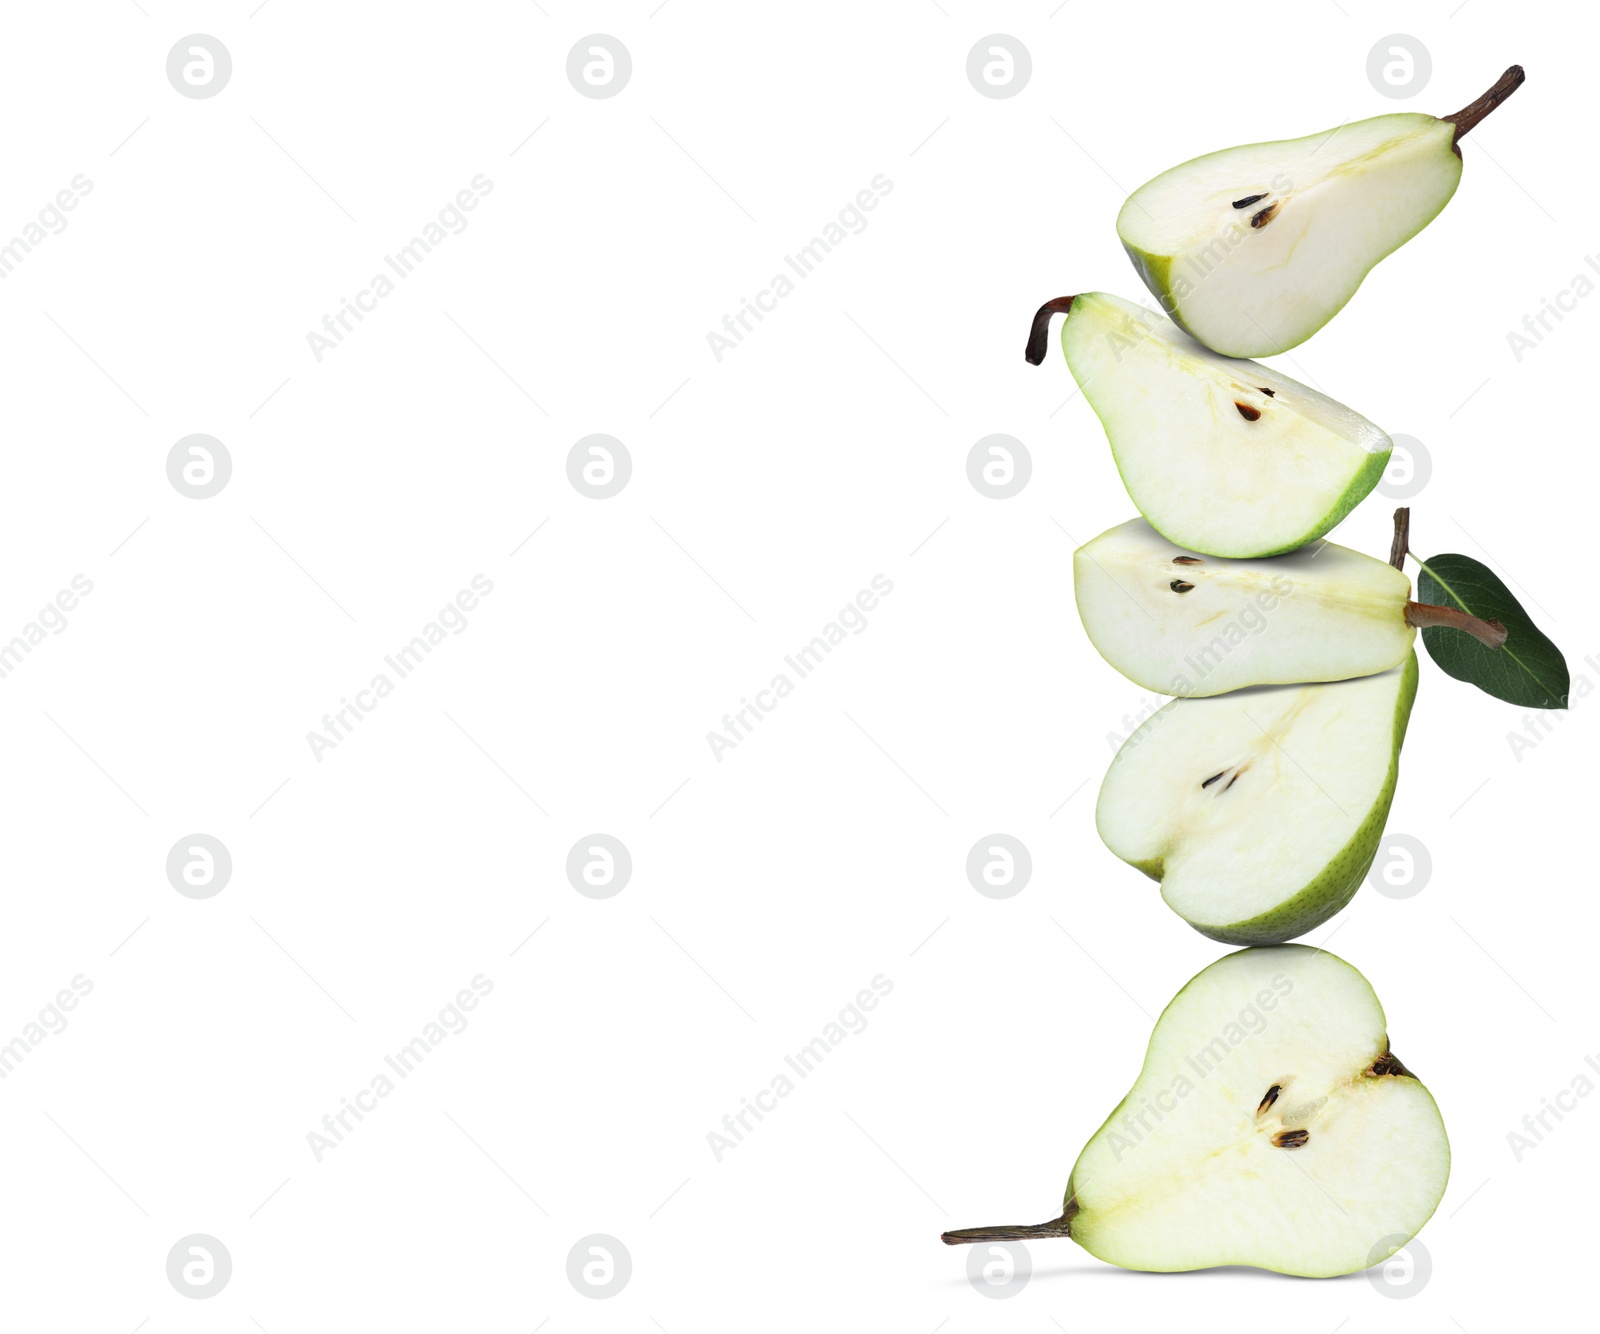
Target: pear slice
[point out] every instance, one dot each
(1270, 1126)
(1260, 812)
(1190, 625)
(1183, 624)
(1253, 249)
(1225, 457)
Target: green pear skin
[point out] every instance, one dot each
(1224, 878)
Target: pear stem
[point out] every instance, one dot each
(1420, 615)
(1401, 545)
(1056, 1227)
(1473, 112)
(1423, 614)
(1038, 335)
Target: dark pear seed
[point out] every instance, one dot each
(1248, 200)
(1203, 786)
(1272, 1093)
(1249, 413)
(1187, 560)
(1388, 1064)
(1270, 393)
(1290, 1139)
(1178, 586)
(1234, 779)
(1266, 215)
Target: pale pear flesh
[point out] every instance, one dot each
(1260, 811)
(1223, 457)
(1270, 1126)
(1262, 278)
(1184, 624)
(1253, 249)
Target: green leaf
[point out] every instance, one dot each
(1527, 670)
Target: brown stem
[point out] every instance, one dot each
(1402, 538)
(1423, 614)
(1056, 1227)
(1039, 334)
(1473, 112)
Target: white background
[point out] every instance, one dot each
(771, 886)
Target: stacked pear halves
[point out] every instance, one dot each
(1271, 1125)
(1259, 812)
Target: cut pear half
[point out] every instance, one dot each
(1184, 624)
(1253, 249)
(1271, 1126)
(1224, 457)
(1260, 812)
